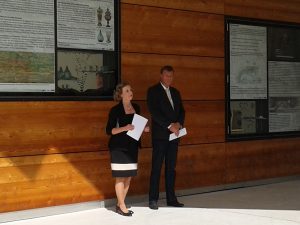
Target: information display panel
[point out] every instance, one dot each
(263, 78)
(59, 49)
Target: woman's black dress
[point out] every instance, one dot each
(123, 148)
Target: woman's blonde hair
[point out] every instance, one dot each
(118, 91)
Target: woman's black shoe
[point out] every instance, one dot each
(119, 211)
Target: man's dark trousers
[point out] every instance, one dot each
(163, 149)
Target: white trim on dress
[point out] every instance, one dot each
(120, 166)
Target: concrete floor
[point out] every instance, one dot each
(272, 204)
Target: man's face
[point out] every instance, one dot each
(166, 78)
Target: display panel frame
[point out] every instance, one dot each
(106, 72)
(251, 93)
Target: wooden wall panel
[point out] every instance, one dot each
(204, 122)
(164, 31)
(48, 180)
(197, 166)
(54, 153)
(211, 6)
(40, 181)
(29, 128)
(200, 166)
(278, 10)
(197, 78)
(254, 160)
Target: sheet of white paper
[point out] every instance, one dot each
(139, 124)
(182, 132)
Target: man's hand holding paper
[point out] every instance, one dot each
(181, 133)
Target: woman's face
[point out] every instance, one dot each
(127, 93)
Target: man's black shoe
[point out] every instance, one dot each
(175, 204)
(153, 205)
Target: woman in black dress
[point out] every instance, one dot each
(123, 148)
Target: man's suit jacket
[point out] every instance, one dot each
(162, 113)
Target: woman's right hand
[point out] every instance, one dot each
(128, 127)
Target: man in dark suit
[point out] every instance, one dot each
(167, 114)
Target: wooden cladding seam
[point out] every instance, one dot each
(209, 6)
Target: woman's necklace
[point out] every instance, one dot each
(128, 107)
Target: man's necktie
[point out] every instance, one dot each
(169, 97)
